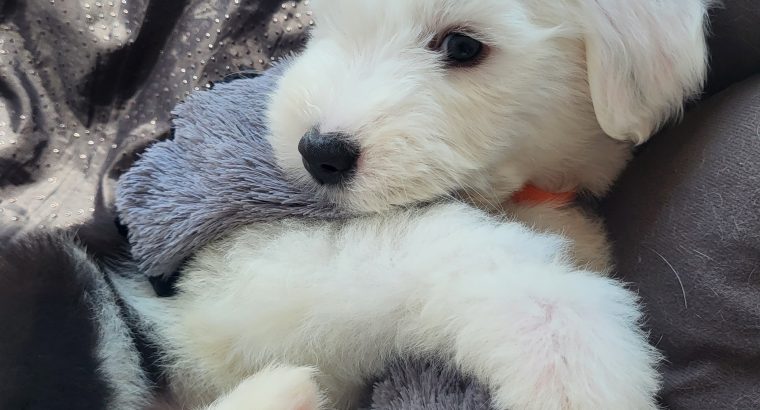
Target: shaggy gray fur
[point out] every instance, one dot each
(416, 385)
(218, 173)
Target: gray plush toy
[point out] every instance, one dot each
(218, 173)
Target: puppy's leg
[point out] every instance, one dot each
(274, 388)
(550, 338)
(499, 299)
(541, 333)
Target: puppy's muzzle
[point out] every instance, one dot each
(330, 157)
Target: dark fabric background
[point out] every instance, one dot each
(685, 218)
(85, 83)
(734, 43)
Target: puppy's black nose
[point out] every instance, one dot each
(330, 158)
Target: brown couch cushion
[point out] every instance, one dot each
(685, 219)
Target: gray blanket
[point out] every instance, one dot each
(218, 173)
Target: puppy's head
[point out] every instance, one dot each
(400, 101)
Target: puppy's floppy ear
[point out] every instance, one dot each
(644, 58)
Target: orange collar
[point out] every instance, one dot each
(532, 195)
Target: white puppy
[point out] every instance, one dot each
(398, 102)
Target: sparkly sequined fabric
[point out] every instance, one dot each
(85, 84)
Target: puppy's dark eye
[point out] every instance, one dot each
(461, 49)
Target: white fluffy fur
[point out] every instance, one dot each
(526, 114)
(274, 388)
(500, 300)
(529, 313)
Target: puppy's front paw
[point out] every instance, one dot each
(274, 388)
(584, 349)
(572, 342)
